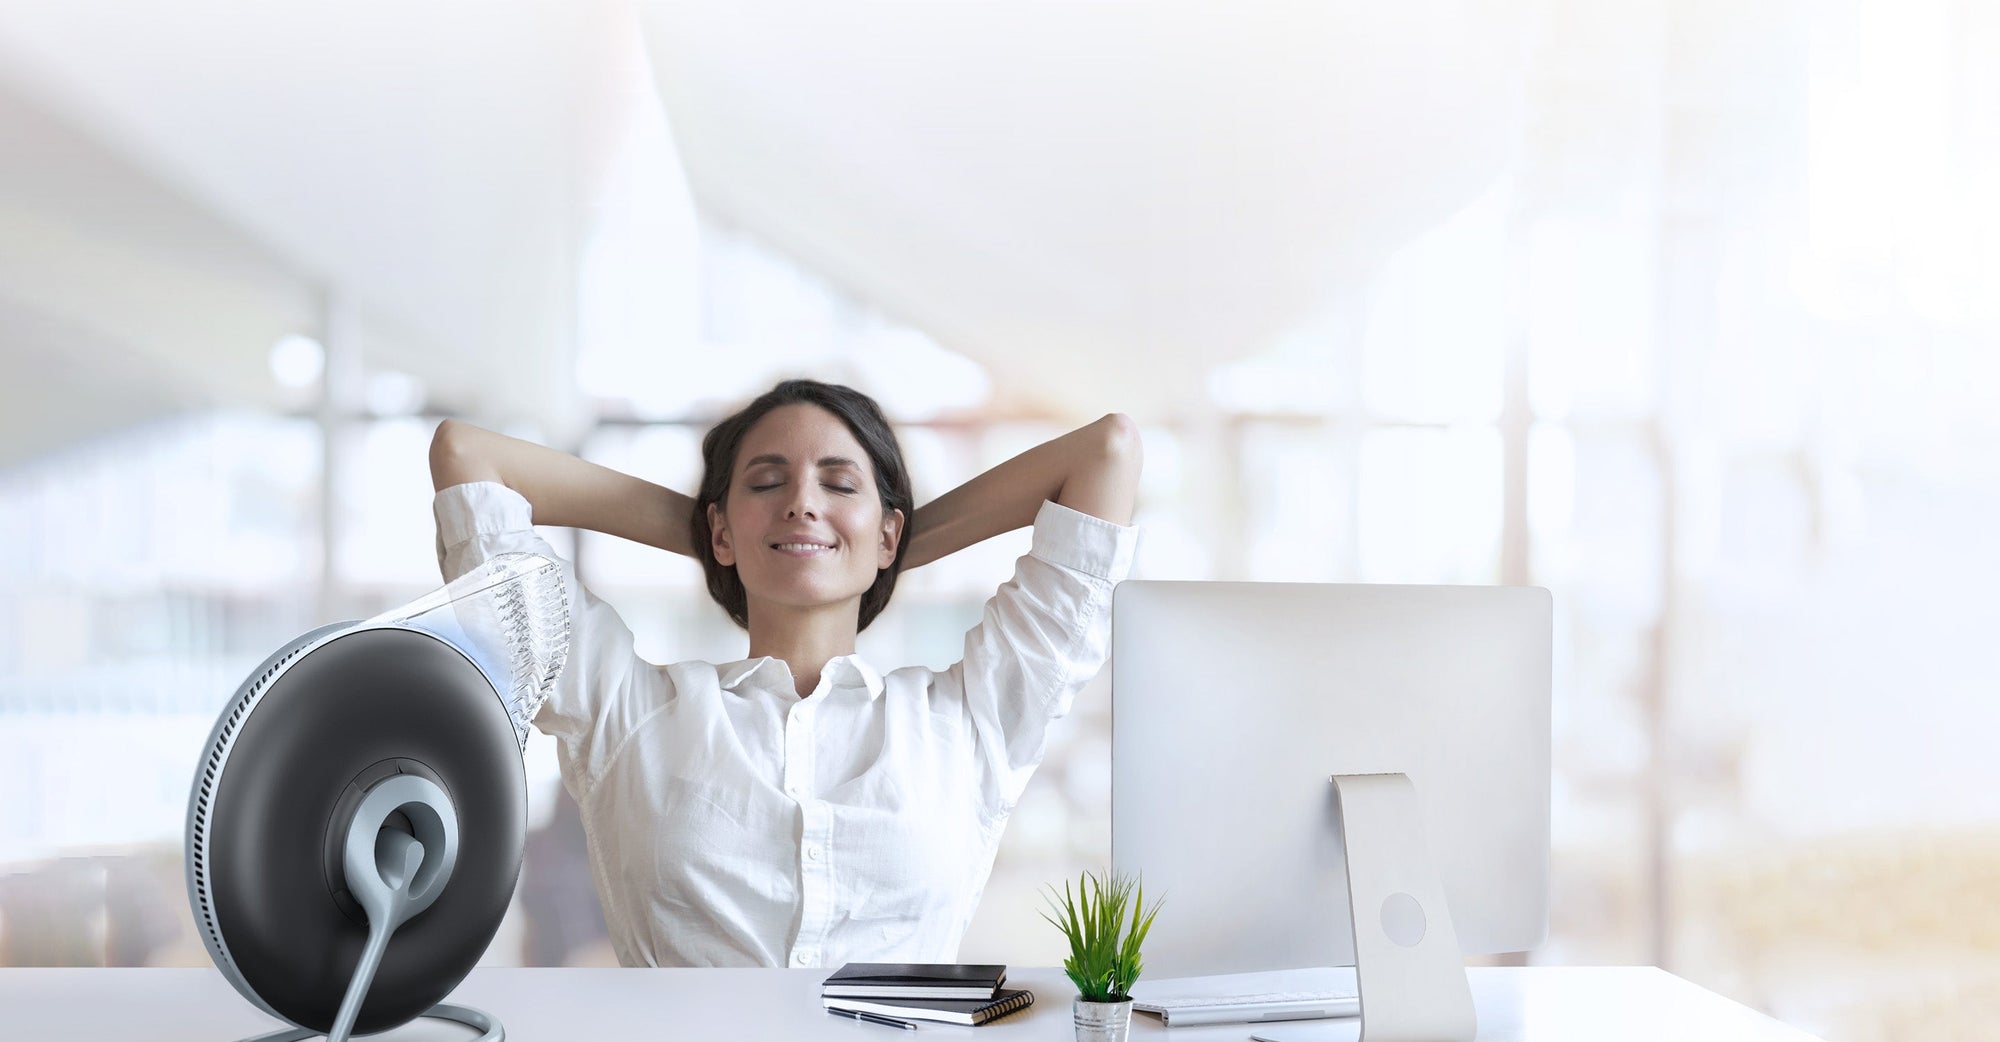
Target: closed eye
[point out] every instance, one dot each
(837, 488)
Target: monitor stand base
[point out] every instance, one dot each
(477, 1020)
(1407, 962)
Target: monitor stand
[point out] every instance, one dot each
(1407, 962)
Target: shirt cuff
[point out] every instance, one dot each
(1081, 542)
(479, 508)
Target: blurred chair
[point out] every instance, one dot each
(94, 910)
(556, 892)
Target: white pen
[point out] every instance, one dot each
(872, 1018)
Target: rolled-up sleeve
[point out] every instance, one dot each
(591, 705)
(1043, 637)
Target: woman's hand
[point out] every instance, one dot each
(1093, 469)
(562, 489)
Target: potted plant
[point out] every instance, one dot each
(1105, 922)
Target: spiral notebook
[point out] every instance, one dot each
(950, 1011)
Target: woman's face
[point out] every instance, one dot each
(803, 521)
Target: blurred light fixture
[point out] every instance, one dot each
(391, 392)
(297, 361)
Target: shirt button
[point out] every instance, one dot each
(812, 853)
(803, 959)
(796, 790)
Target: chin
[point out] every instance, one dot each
(806, 595)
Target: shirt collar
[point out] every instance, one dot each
(733, 674)
(848, 671)
(860, 674)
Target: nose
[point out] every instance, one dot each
(804, 504)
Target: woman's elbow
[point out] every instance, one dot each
(1103, 479)
(451, 464)
(1122, 445)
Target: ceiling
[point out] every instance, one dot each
(1073, 194)
(1079, 193)
(187, 182)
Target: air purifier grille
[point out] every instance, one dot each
(202, 807)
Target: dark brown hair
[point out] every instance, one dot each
(718, 453)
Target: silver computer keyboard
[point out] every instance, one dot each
(1260, 998)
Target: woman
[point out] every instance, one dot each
(799, 807)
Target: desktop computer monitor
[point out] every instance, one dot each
(1233, 704)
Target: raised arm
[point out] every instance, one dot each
(562, 489)
(1093, 469)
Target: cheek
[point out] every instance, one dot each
(745, 515)
(864, 529)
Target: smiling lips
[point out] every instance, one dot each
(802, 549)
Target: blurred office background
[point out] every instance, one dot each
(1688, 310)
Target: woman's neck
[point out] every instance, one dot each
(805, 639)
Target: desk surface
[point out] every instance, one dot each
(1532, 1004)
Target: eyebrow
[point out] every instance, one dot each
(825, 462)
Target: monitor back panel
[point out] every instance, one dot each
(1232, 705)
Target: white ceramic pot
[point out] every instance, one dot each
(1102, 1021)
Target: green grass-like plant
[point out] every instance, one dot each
(1105, 922)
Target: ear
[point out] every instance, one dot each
(892, 534)
(718, 536)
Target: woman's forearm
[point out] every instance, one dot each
(1093, 469)
(562, 489)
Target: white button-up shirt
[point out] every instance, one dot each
(733, 823)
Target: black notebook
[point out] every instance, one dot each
(914, 980)
(951, 1011)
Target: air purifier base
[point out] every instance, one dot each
(478, 1020)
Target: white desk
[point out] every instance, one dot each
(1534, 1004)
